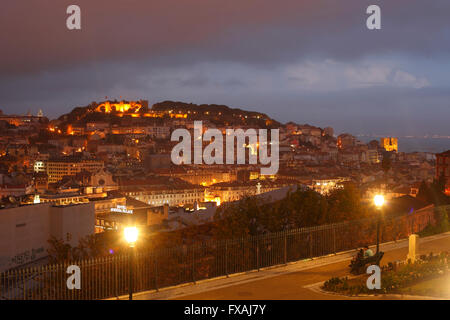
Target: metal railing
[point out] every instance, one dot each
(107, 277)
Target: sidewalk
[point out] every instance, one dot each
(325, 267)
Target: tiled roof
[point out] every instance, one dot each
(445, 154)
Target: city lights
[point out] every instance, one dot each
(378, 200)
(131, 235)
(170, 151)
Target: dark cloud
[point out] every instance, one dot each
(237, 53)
(34, 36)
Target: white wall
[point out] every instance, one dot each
(25, 230)
(23, 234)
(78, 220)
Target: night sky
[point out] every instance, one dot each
(308, 61)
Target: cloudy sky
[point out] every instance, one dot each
(309, 61)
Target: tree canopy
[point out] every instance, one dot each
(302, 208)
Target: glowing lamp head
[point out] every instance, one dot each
(131, 235)
(378, 200)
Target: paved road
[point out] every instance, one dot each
(294, 282)
(292, 286)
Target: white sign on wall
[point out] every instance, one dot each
(122, 209)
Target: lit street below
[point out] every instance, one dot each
(289, 284)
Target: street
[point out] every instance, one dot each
(298, 281)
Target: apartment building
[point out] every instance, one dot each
(443, 168)
(173, 196)
(237, 190)
(159, 190)
(69, 166)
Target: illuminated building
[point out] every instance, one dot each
(25, 120)
(159, 190)
(328, 131)
(132, 212)
(237, 190)
(345, 141)
(70, 166)
(40, 167)
(325, 186)
(18, 190)
(203, 177)
(97, 126)
(371, 156)
(443, 168)
(173, 196)
(213, 198)
(389, 144)
(63, 199)
(120, 107)
(134, 109)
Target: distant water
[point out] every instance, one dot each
(433, 145)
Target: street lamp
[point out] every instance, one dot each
(379, 202)
(131, 236)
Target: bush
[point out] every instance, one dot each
(392, 281)
(442, 224)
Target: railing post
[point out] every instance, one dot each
(131, 275)
(7, 284)
(334, 239)
(226, 257)
(23, 273)
(6, 274)
(310, 244)
(156, 271)
(285, 247)
(193, 263)
(115, 273)
(257, 252)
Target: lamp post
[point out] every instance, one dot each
(131, 236)
(379, 202)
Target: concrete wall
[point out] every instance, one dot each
(157, 215)
(23, 234)
(76, 220)
(25, 230)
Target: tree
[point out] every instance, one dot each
(441, 217)
(439, 184)
(444, 223)
(307, 208)
(239, 219)
(386, 163)
(302, 208)
(434, 193)
(345, 204)
(424, 193)
(61, 250)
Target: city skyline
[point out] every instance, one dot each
(307, 62)
(41, 112)
(252, 150)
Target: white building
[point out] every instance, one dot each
(170, 196)
(325, 186)
(25, 230)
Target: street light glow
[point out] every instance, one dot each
(379, 200)
(131, 235)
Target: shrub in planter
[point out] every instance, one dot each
(395, 278)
